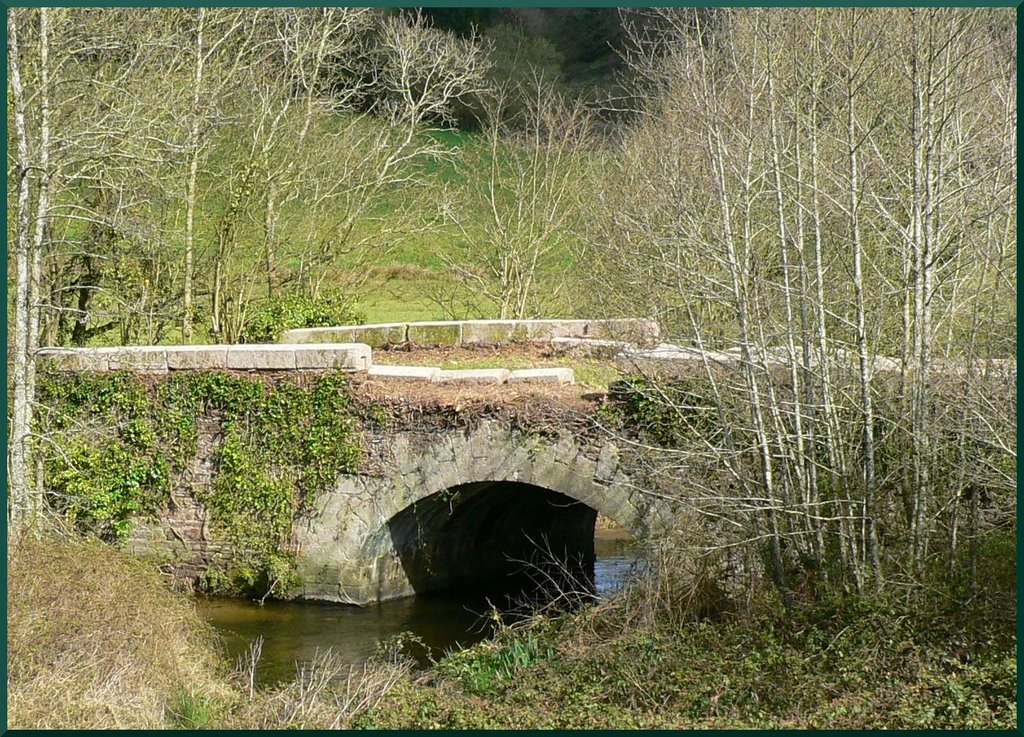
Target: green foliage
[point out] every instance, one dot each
(282, 443)
(193, 711)
(483, 670)
(489, 667)
(842, 662)
(112, 466)
(518, 56)
(286, 444)
(271, 317)
(671, 413)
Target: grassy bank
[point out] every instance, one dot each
(835, 664)
(98, 640)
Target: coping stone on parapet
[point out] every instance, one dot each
(261, 357)
(145, 359)
(197, 357)
(493, 331)
(634, 330)
(542, 376)
(546, 330)
(475, 376)
(349, 356)
(404, 373)
(435, 333)
(319, 335)
(72, 359)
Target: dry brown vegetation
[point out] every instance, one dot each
(326, 694)
(96, 640)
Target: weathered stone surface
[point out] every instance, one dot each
(665, 355)
(259, 357)
(542, 376)
(360, 545)
(197, 357)
(494, 331)
(475, 376)
(669, 351)
(375, 335)
(458, 332)
(72, 359)
(351, 356)
(380, 334)
(435, 333)
(404, 373)
(669, 357)
(633, 330)
(607, 463)
(589, 347)
(549, 329)
(144, 359)
(320, 335)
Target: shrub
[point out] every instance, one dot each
(271, 317)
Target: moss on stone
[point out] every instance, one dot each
(376, 336)
(436, 333)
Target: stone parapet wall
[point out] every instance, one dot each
(350, 348)
(470, 332)
(161, 359)
(631, 343)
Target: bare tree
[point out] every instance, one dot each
(796, 199)
(523, 186)
(318, 166)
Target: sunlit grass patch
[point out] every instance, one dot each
(97, 640)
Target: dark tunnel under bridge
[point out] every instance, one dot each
(497, 536)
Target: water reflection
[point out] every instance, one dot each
(293, 631)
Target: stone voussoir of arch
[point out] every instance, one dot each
(348, 550)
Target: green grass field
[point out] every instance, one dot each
(391, 259)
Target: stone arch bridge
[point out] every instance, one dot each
(478, 473)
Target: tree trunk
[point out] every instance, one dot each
(23, 511)
(193, 171)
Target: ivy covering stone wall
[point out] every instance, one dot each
(117, 444)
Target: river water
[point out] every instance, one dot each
(293, 632)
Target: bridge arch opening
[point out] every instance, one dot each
(497, 537)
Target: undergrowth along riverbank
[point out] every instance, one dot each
(834, 663)
(97, 639)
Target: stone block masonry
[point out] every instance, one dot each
(73, 359)
(542, 376)
(375, 336)
(494, 331)
(473, 376)
(355, 357)
(350, 356)
(435, 333)
(404, 373)
(251, 357)
(141, 359)
(469, 332)
(197, 357)
(260, 357)
(349, 348)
